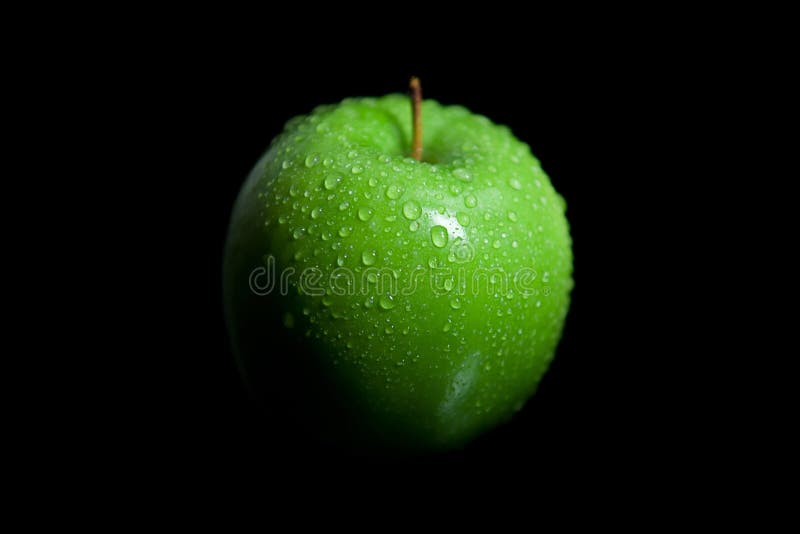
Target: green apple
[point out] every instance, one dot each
(394, 304)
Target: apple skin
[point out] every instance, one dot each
(439, 362)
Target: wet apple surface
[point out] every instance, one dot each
(389, 303)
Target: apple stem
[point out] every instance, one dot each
(416, 117)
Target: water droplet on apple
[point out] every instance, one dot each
(286, 163)
(281, 220)
(373, 182)
(365, 213)
(344, 205)
(356, 169)
(386, 302)
(327, 162)
(340, 260)
(414, 226)
(316, 212)
(515, 184)
(455, 189)
(463, 174)
(345, 231)
(368, 257)
(514, 244)
(327, 300)
(455, 303)
(496, 243)
(462, 218)
(298, 233)
(470, 201)
(512, 216)
(411, 210)
(352, 154)
(331, 181)
(438, 236)
(311, 160)
(393, 192)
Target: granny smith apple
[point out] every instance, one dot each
(392, 304)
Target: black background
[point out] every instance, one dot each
(598, 118)
(640, 119)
